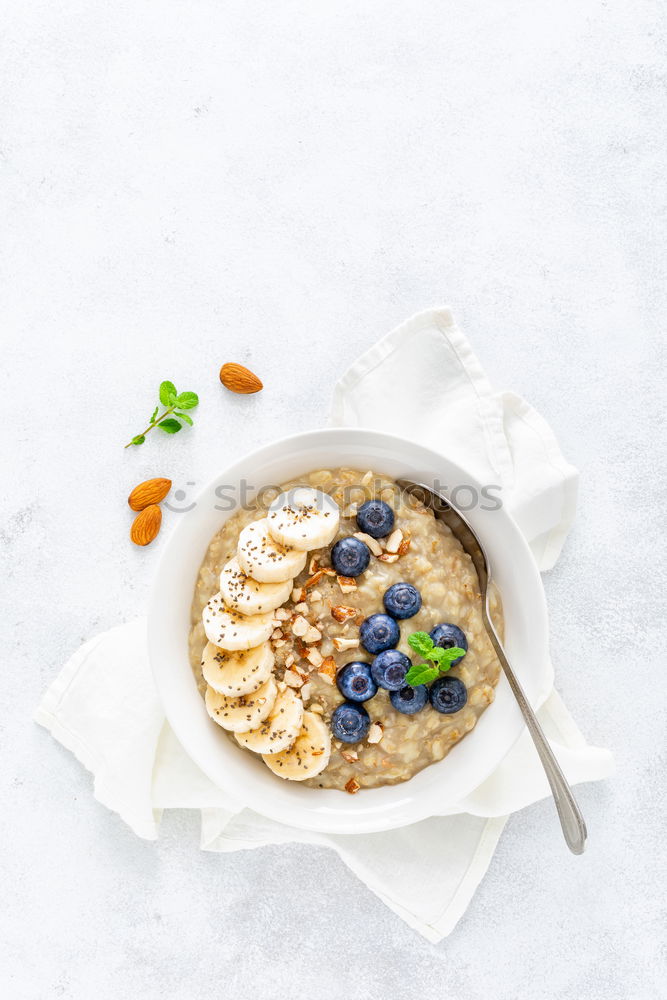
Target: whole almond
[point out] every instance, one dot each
(236, 378)
(146, 525)
(145, 494)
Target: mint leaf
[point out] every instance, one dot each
(421, 642)
(167, 393)
(172, 403)
(445, 657)
(169, 426)
(187, 400)
(439, 656)
(421, 673)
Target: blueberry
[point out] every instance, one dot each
(350, 722)
(402, 600)
(356, 682)
(389, 669)
(350, 556)
(448, 695)
(379, 632)
(375, 518)
(447, 636)
(409, 699)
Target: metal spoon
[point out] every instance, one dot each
(571, 820)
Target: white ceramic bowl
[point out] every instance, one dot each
(435, 790)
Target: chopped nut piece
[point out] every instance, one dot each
(349, 755)
(282, 614)
(292, 679)
(313, 565)
(374, 733)
(300, 626)
(372, 543)
(305, 692)
(314, 656)
(404, 546)
(347, 584)
(316, 708)
(394, 541)
(278, 643)
(341, 644)
(352, 786)
(312, 635)
(289, 660)
(301, 608)
(316, 577)
(388, 557)
(315, 597)
(298, 594)
(343, 613)
(327, 669)
(277, 633)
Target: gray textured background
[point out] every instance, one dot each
(184, 183)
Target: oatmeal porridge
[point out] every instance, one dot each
(302, 621)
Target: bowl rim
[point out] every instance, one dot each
(410, 808)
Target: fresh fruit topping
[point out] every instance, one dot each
(304, 518)
(375, 518)
(149, 492)
(238, 673)
(308, 755)
(239, 379)
(447, 636)
(241, 593)
(402, 600)
(379, 632)
(350, 557)
(263, 558)
(280, 729)
(240, 715)
(409, 700)
(389, 669)
(146, 525)
(350, 722)
(231, 630)
(355, 681)
(448, 695)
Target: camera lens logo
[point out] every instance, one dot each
(177, 500)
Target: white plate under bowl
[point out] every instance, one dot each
(437, 789)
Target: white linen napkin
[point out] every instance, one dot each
(139, 768)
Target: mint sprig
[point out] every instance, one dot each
(168, 421)
(439, 659)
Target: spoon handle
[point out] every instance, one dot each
(569, 814)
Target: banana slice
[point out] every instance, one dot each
(232, 630)
(242, 593)
(234, 674)
(308, 755)
(263, 558)
(280, 729)
(304, 518)
(239, 715)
